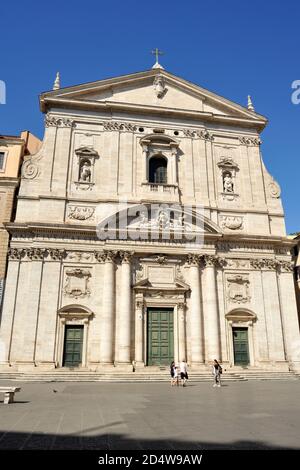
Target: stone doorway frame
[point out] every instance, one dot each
(148, 304)
(75, 315)
(160, 298)
(241, 318)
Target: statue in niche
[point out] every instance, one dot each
(227, 182)
(159, 86)
(85, 172)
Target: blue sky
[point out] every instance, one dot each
(233, 48)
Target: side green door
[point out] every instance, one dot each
(73, 346)
(160, 336)
(240, 346)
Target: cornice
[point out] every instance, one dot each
(37, 228)
(9, 181)
(261, 239)
(11, 141)
(111, 106)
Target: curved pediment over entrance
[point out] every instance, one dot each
(75, 309)
(159, 138)
(241, 315)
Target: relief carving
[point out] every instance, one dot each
(77, 256)
(250, 140)
(238, 289)
(231, 222)
(119, 126)
(274, 189)
(76, 283)
(52, 121)
(238, 263)
(81, 212)
(201, 133)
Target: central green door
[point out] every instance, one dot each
(240, 346)
(160, 336)
(73, 346)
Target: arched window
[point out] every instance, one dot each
(158, 170)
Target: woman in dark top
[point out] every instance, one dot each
(217, 371)
(172, 367)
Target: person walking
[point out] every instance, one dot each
(172, 371)
(175, 377)
(217, 371)
(183, 372)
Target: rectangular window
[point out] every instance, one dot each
(2, 154)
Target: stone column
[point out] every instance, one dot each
(29, 328)
(46, 342)
(290, 323)
(9, 305)
(195, 313)
(144, 164)
(108, 309)
(139, 331)
(181, 331)
(172, 170)
(210, 310)
(124, 320)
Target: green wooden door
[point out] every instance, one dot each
(160, 336)
(240, 346)
(73, 346)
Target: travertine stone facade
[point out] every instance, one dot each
(138, 291)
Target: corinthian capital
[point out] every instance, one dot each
(15, 253)
(286, 266)
(56, 255)
(210, 260)
(193, 259)
(126, 256)
(35, 254)
(105, 256)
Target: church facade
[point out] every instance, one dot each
(148, 229)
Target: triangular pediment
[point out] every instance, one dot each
(155, 88)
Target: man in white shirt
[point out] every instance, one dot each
(183, 372)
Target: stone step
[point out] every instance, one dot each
(140, 377)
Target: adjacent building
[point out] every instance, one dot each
(12, 150)
(296, 256)
(148, 229)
